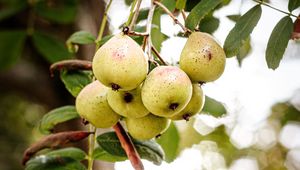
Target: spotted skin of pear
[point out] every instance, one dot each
(147, 127)
(120, 63)
(202, 58)
(166, 91)
(194, 106)
(92, 105)
(127, 103)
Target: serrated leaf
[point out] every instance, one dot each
(44, 162)
(180, 4)
(149, 150)
(60, 11)
(11, 46)
(82, 37)
(293, 4)
(234, 17)
(169, 141)
(50, 48)
(241, 31)
(244, 50)
(209, 24)
(56, 116)
(199, 11)
(278, 42)
(71, 152)
(100, 154)
(213, 107)
(75, 81)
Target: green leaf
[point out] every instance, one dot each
(149, 150)
(244, 50)
(241, 31)
(143, 14)
(56, 116)
(11, 46)
(199, 11)
(100, 154)
(59, 11)
(278, 42)
(209, 24)
(213, 107)
(234, 18)
(157, 36)
(50, 48)
(71, 152)
(285, 112)
(169, 141)
(44, 162)
(12, 9)
(82, 37)
(180, 4)
(293, 4)
(105, 39)
(75, 81)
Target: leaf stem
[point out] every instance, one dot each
(103, 24)
(128, 146)
(91, 145)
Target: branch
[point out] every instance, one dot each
(183, 14)
(70, 65)
(135, 15)
(158, 55)
(172, 16)
(148, 30)
(128, 146)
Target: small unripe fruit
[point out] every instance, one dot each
(202, 58)
(92, 105)
(166, 91)
(120, 63)
(127, 103)
(194, 106)
(147, 127)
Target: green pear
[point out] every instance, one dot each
(127, 103)
(194, 106)
(147, 127)
(202, 58)
(166, 91)
(92, 105)
(120, 63)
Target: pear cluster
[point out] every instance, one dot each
(148, 101)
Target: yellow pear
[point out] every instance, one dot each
(166, 91)
(202, 58)
(120, 63)
(194, 106)
(92, 105)
(147, 127)
(127, 103)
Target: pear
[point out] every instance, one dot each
(202, 58)
(166, 91)
(92, 105)
(127, 103)
(194, 106)
(147, 127)
(120, 63)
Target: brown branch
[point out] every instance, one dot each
(158, 55)
(70, 65)
(128, 146)
(142, 34)
(183, 14)
(172, 16)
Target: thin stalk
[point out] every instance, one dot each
(91, 145)
(103, 24)
(158, 55)
(131, 12)
(135, 15)
(148, 30)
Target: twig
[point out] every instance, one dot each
(148, 30)
(128, 146)
(135, 15)
(183, 14)
(172, 16)
(70, 65)
(133, 33)
(91, 143)
(158, 55)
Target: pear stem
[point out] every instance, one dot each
(128, 146)
(70, 65)
(91, 143)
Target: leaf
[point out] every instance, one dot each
(12, 9)
(244, 50)
(213, 107)
(100, 154)
(209, 24)
(285, 112)
(293, 4)
(59, 11)
(11, 46)
(278, 42)
(180, 4)
(56, 116)
(199, 11)
(234, 18)
(82, 37)
(157, 36)
(71, 152)
(105, 39)
(241, 31)
(50, 48)
(143, 14)
(170, 4)
(75, 81)
(169, 141)
(44, 162)
(149, 150)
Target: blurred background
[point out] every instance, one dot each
(256, 111)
